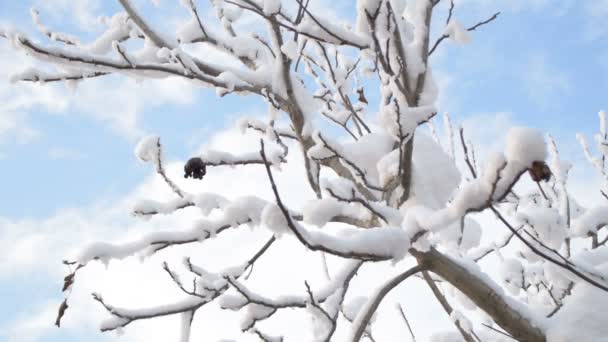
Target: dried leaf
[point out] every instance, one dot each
(62, 308)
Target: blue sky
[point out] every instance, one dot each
(62, 152)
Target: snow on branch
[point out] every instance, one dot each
(383, 190)
(373, 245)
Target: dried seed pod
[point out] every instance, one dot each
(539, 171)
(195, 168)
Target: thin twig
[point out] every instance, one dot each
(400, 308)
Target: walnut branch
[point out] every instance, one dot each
(446, 306)
(364, 317)
(407, 323)
(125, 317)
(472, 28)
(105, 66)
(298, 233)
(565, 265)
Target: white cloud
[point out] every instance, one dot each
(595, 25)
(30, 326)
(544, 82)
(63, 153)
(133, 283)
(555, 7)
(116, 101)
(486, 131)
(82, 13)
(14, 126)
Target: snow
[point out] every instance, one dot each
(457, 32)
(207, 202)
(583, 317)
(233, 301)
(57, 36)
(365, 153)
(290, 49)
(352, 307)
(147, 149)
(439, 198)
(449, 133)
(402, 123)
(385, 242)
(596, 162)
(253, 313)
(271, 7)
(243, 209)
(525, 145)
(274, 220)
(310, 27)
(546, 223)
(434, 178)
(388, 168)
(118, 28)
(590, 221)
(457, 238)
(559, 168)
(186, 321)
(415, 14)
(142, 207)
(512, 273)
(189, 31)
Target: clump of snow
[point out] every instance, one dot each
(461, 235)
(583, 316)
(233, 301)
(402, 121)
(118, 27)
(352, 307)
(253, 313)
(148, 148)
(245, 208)
(367, 151)
(415, 14)
(320, 324)
(525, 145)
(319, 212)
(384, 242)
(388, 167)
(189, 31)
(512, 272)
(273, 219)
(546, 222)
(150, 206)
(207, 202)
(271, 7)
(457, 32)
(230, 80)
(593, 160)
(434, 175)
(590, 221)
(290, 49)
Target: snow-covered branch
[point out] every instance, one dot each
(383, 190)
